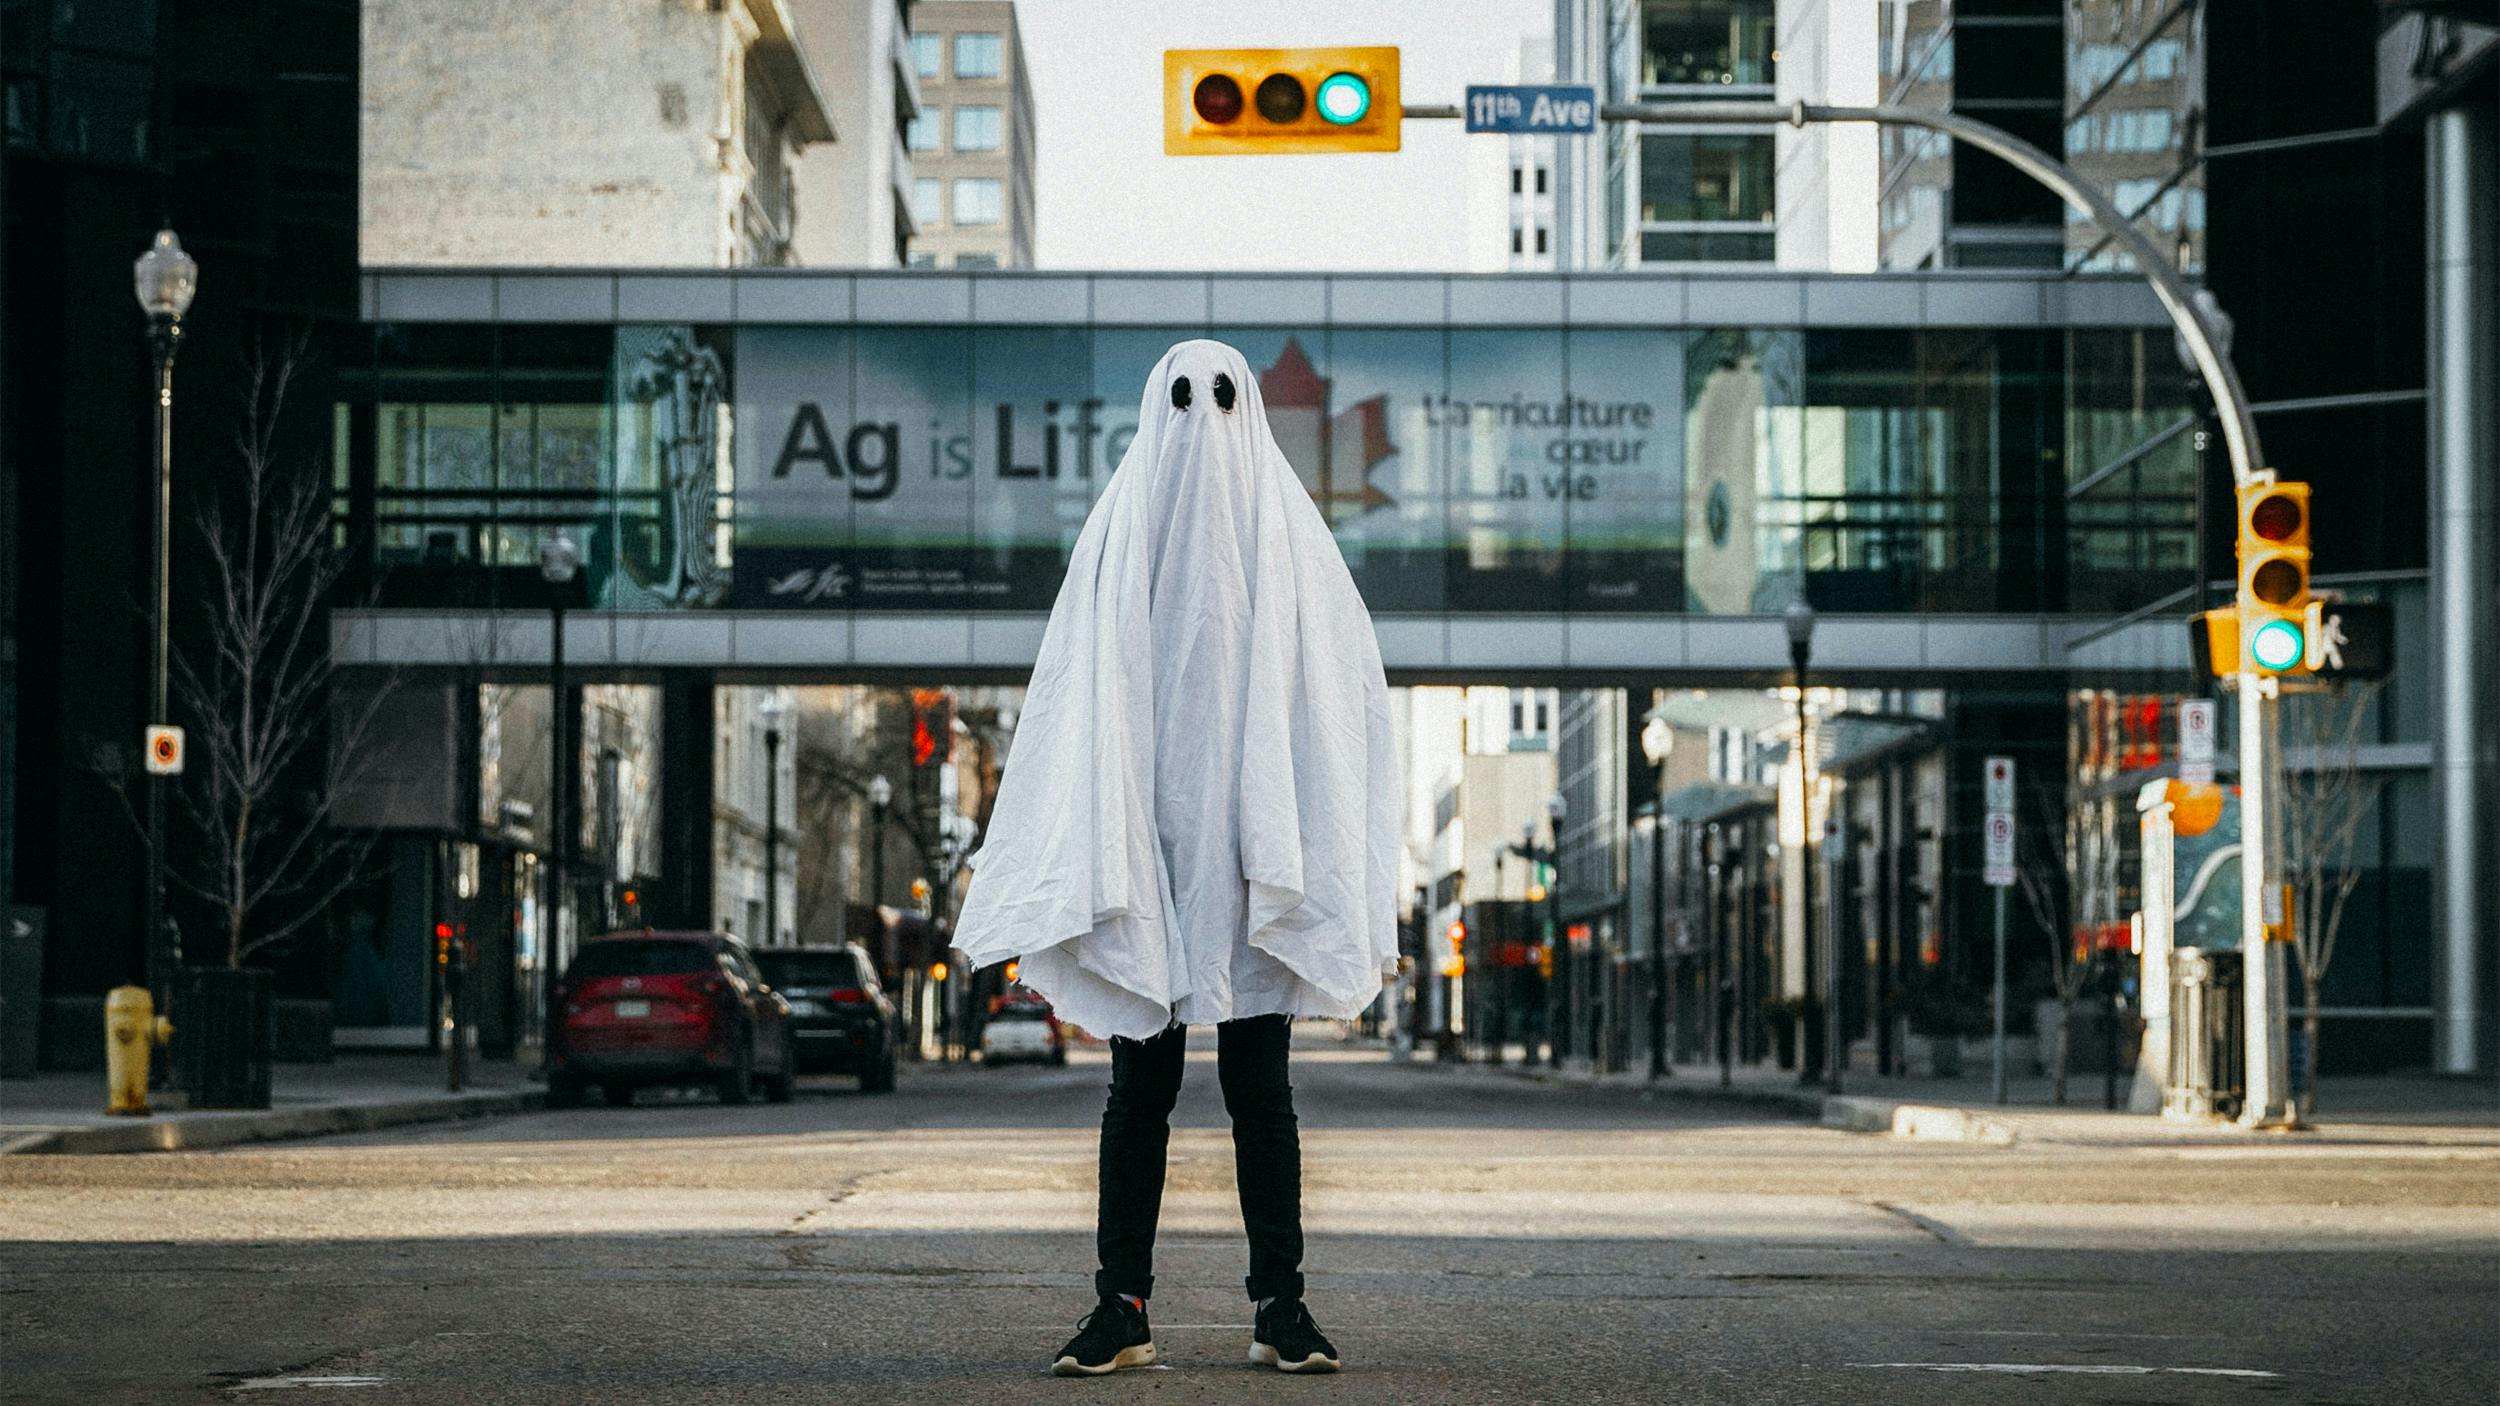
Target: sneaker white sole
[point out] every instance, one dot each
(1261, 1355)
(1142, 1355)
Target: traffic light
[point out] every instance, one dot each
(2274, 576)
(1268, 102)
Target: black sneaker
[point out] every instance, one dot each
(1285, 1338)
(1111, 1337)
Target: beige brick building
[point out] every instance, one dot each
(972, 145)
(583, 132)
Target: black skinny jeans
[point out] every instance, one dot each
(1250, 1058)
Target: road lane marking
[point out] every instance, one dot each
(292, 1383)
(2093, 1369)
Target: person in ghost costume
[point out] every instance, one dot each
(1198, 824)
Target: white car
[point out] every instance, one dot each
(1022, 1032)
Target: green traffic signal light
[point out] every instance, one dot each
(2276, 645)
(1344, 98)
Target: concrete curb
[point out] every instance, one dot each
(1923, 1122)
(1803, 1103)
(191, 1132)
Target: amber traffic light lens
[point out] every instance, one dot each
(2276, 518)
(2275, 583)
(1281, 98)
(1217, 98)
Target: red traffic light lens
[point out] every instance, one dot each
(1217, 99)
(2275, 582)
(2275, 517)
(1281, 98)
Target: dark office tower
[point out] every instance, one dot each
(1943, 204)
(235, 125)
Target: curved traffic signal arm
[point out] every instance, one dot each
(2274, 577)
(1272, 102)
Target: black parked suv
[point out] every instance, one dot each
(840, 1019)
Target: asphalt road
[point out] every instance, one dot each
(1472, 1238)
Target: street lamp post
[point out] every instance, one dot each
(772, 710)
(559, 561)
(880, 797)
(1798, 620)
(166, 280)
(1555, 809)
(1658, 743)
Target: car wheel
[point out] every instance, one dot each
(785, 1082)
(619, 1095)
(738, 1085)
(564, 1091)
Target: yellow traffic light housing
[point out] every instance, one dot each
(2274, 577)
(1274, 102)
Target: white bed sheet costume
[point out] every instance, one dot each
(1200, 812)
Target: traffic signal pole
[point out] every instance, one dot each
(2263, 925)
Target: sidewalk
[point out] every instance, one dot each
(2422, 1111)
(65, 1112)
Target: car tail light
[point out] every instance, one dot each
(846, 998)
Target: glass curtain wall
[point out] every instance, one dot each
(1588, 470)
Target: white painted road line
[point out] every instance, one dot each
(2093, 1369)
(293, 1383)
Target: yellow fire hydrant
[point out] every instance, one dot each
(131, 1029)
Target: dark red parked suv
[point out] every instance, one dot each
(668, 1008)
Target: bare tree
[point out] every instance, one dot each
(2057, 864)
(2326, 797)
(273, 744)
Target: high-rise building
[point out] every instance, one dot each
(1946, 205)
(855, 194)
(2328, 173)
(1511, 183)
(972, 144)
(1697, 196)
(234, 125)
(670, 141)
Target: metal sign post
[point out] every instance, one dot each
(2000, 876)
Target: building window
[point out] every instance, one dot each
(1514, 180)
(1713, 43)
(924, 201)
(1540, 239)
(921, 260)
(977, 56)
(977, 127)
(922, 134)
(926, 51)
(1517, 245)
(976, 261)
(1540, 180)
(976, 200)
(1706, 198)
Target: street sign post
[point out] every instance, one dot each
(1540, 110)
(1998, 777)
(2196, 741)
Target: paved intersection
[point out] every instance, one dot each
(1473, 1238)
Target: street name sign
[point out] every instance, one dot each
(1999, 829)
(2196, 741)
(1531, 109)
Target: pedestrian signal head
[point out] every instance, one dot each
(1254, 102)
